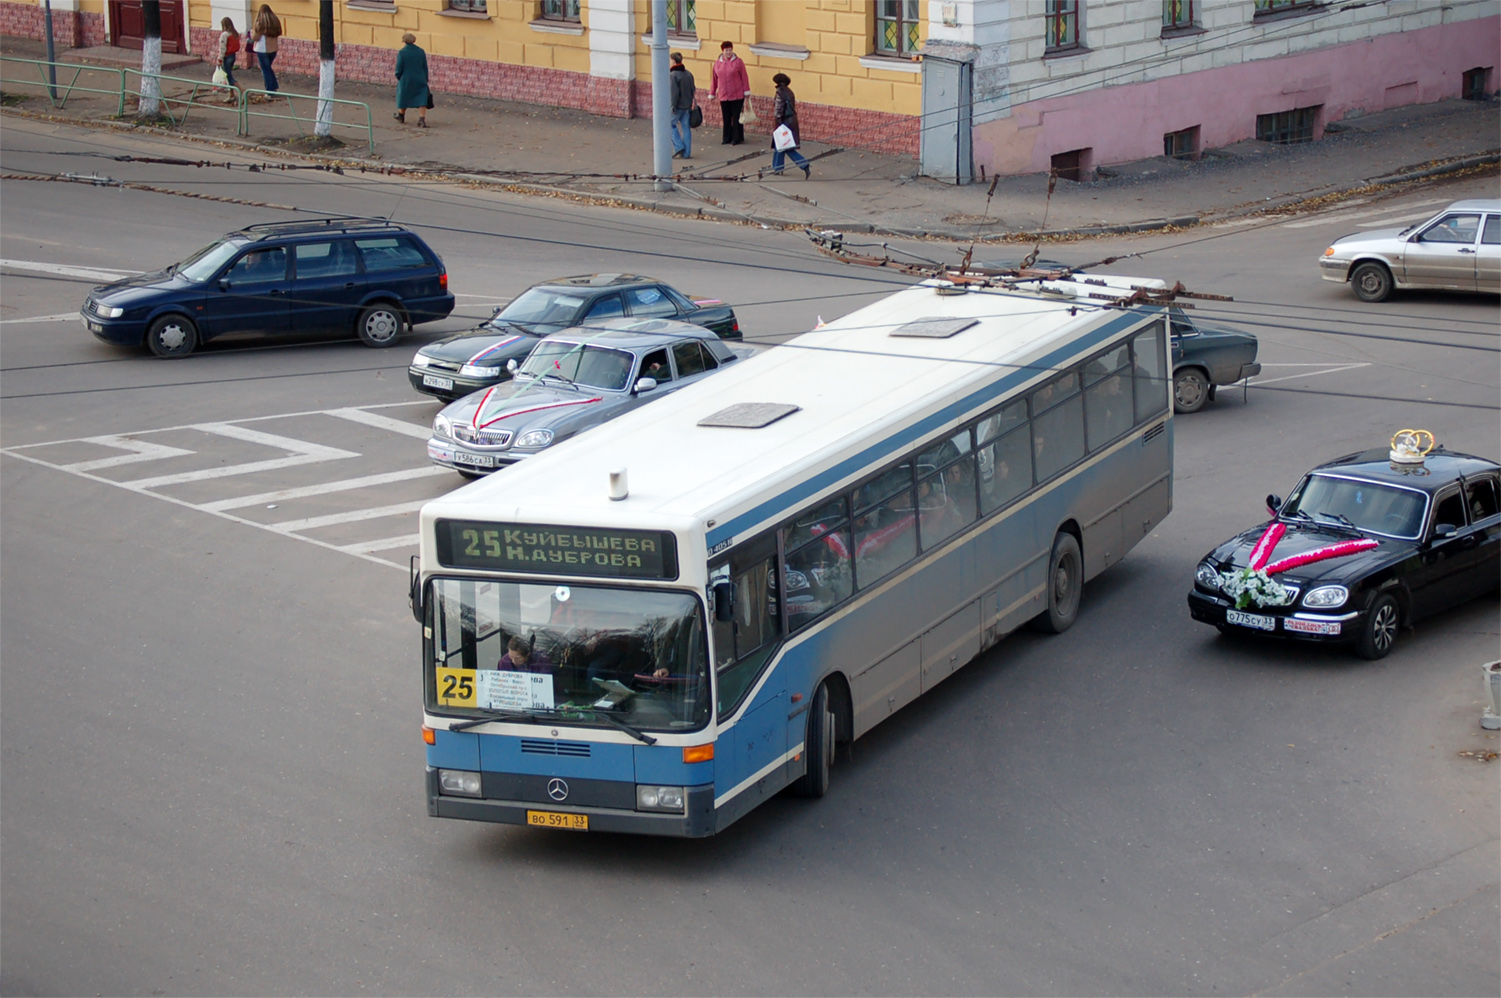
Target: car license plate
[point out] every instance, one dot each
(1255, 620)
(558, 819)
(433, 381)
(473, 460)
(1310, 626)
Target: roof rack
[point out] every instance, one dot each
(334, 222)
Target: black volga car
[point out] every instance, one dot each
(1430, 535)
(476, 358)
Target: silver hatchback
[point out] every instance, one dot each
(1459, 249)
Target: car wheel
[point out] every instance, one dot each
(380, 325)
(1379, 631)
(1190, 390)
(1371, 281)
(172, 336)
(1065, 586)
(819, 747)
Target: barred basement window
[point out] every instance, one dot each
(1178, 13)
(560, 10)
(1287, 126)
(896, 27)
(1181, 145)
(472, 6)
(682, 19)
(1063, 24)
(1473, 85)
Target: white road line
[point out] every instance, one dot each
(306, 453)
(60, 317)
(346, 485)
(333, 519)
(370, 547)
(91, 273)
(383, 422)
(1257, 382)
(1335, 217)
(1393, 221)
(140, 451)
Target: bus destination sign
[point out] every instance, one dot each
(537, 549)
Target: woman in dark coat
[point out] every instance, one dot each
(411, 81)
(784, 112)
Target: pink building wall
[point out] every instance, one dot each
(1125, 123)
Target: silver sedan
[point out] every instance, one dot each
(1459, 249)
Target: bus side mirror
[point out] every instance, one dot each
(414, 590)
(724, 602)
(1274, 504)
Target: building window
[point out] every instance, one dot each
(1076, 164)
(560, 10)
(1178, 14)
(1063, 24)
(1278, 6)
(1473, 86)
(682, 18)
(1287, 126)
(896, 27)
(471, 6)
(1181, 145)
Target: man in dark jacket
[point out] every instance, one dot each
(682, 107)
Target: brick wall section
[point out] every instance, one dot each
(70, 29)
(881, 131)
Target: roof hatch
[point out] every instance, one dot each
(749, 415)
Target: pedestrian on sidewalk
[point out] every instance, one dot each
(784, 112)
(411, 81)
(730, 84)
(226, 54)
(265, 35)
(683, 93)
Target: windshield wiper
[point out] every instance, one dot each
(1341, 518)
(640, 736)
(543, 713)
(475, 722)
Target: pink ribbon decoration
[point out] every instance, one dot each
(1261, 554)
(535, 408)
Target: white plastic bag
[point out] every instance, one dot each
(748, 113)
(221, 78)
(781, 136)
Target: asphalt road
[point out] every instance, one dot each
(210, 763)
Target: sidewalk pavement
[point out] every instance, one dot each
(555, 150)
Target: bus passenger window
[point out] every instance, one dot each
(1107, 410)
(885, 532)
(743, 645)
(946, 502)
(1150, 372)
(1058, 438)
(818, 578)
(1005, 469)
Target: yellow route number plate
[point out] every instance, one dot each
(558, 819)
(455, 687)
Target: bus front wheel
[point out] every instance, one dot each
(819, 748)
(1064, 587)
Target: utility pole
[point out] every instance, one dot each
(151, 60)
(325, 122)
(661, 97)
(51, 52)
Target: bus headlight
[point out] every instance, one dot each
(443, 427)
(534, 438)
(458, 782)
(1207, 576)
(1326, 596)
(659, 799)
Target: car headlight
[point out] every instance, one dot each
(459, 782)
(421, 360)
(534, 438)
(475, 371)
(1207, 576)
(659, 799)
(443, 427)
(111, 311)
(1326, 596)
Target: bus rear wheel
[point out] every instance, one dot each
(819, 747)
(1065, 586)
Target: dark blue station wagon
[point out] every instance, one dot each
(370, 277)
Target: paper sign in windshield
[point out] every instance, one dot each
(501, 690)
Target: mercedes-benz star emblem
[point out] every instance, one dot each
(557, 790)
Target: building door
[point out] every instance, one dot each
(946, 117)
(127, 25)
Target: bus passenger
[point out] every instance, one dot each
(520, 658)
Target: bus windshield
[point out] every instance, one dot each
(586, 655)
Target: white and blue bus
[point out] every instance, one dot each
(664, 621)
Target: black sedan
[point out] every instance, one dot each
(466, 362)
(1363, 546)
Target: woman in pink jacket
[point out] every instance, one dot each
(730, 86)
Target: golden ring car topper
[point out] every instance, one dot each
(1411, 446)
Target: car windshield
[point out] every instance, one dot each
(207, 261)
(541, 307)
(1369, 506)
(581, 363)
(587, 655)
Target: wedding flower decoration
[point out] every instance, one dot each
(1252, 585)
